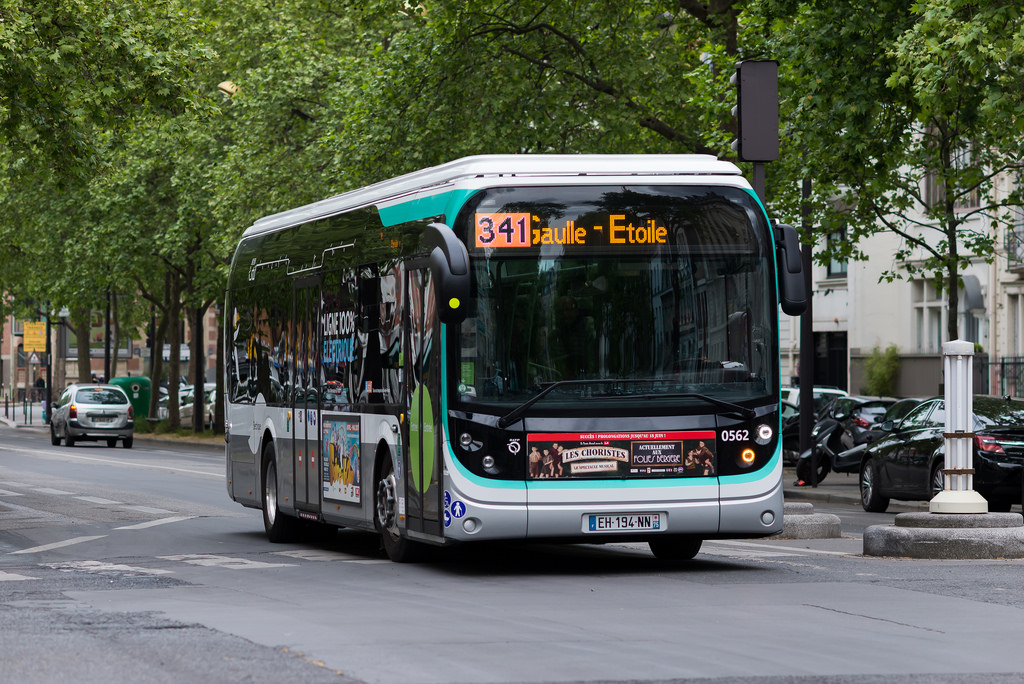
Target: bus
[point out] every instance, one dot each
(568, 348)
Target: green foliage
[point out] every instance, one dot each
(881, 370)
(887, 97)
(125, 167)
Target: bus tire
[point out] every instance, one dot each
(280, 527)
(398, 548)
(675, 547)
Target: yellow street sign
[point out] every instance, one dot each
(35, 337)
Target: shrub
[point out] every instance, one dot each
(881, 370)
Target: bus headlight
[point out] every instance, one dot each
(747, 457)
(763, 434)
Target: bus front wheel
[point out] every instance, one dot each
(398, 548)
(280, 527)
(675, 548)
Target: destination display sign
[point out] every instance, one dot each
(621, 454)
(523, 230)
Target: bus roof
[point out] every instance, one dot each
(436, 178)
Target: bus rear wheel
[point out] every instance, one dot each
(398, 548)
(675, 548)
(280, 527)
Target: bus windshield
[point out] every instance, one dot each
(616, 294)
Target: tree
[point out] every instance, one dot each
(925, 123)
(73, 69)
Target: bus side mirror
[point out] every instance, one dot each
(449, 270)
(792, 288)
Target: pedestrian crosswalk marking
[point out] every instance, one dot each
(99, 567)
(97, 500)
(13, 577)
(58, 545)
(154, 523)
(213, 561)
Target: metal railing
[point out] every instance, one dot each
(1008, 376)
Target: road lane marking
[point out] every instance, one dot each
(12, 577)
(99, 567)
(4, 492)
(112, 461)
(97, 500)
(213, 561)
(58, 545)
(154, 523)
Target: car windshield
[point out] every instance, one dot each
(100, 395)
(650, 293)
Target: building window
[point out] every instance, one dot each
(934, 187)
(929, 316)
(1015, 324)
(837, 265)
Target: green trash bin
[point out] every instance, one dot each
(137, 387)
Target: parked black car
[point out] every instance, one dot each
(907, 463)
(893, 415)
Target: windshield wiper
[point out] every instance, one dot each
(515, 413)
(744, 412)
(518, 411)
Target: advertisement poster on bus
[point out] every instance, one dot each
(621, 454)
(340, 458)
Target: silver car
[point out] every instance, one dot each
(93, 413)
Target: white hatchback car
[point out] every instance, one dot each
(823, 396)
(91, 412)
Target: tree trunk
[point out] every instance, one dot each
(82, 320)
(156, 370)
(199, 395)
(174, 340)
(115, 341)
(218, 408)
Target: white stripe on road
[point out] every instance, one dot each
(154, 523)
(97, 500)
(99, 567)
(11, 577)
(212, 561)
(57, 545)
(4, 492)
(112, 461)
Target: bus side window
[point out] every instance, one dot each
(391, 333)
(242, 339)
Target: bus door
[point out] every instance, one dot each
(421, 352)
(305, 395)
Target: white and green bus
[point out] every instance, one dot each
(575, 348)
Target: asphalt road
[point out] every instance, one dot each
(122, 565)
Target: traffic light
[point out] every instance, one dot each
(757, 110)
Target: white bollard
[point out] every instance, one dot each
(958, 495)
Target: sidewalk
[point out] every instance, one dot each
(835, 488)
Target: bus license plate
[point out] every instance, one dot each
(630, 522)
